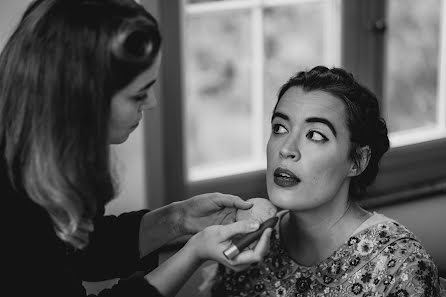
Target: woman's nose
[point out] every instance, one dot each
(150, 102)
(290, 150)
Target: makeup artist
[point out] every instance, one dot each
(75, 77)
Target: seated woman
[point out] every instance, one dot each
(327, 139)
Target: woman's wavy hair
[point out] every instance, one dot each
(366, 126)
(58, 72)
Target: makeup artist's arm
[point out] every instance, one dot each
(187, 217)
(208, 244)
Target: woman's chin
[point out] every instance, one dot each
(278, 200)
(285, 200)
(119, 139)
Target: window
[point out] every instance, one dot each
(414, 90)
(225, 61)
(236, 56)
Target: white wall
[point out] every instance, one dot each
(10, 13)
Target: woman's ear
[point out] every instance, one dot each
(361, 161)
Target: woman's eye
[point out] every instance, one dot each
(316, 136)
(278, 129)
(140, 97)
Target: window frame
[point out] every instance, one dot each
(417, 170)
(163, 142)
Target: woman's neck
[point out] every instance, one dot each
(312, 236)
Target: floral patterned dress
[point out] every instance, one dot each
(383, 259)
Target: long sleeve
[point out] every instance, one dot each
(114, 249)
(35, 262)
(134, 286)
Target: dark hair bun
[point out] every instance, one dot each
(136, 42)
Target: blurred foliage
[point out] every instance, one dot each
(410, 97)
(201, 1)
(218, 87)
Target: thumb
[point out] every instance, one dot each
(233, 201)
(237, 202)
(242, 204)
(243, 226)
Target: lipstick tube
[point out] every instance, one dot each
(239, 245)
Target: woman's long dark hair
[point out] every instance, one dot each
(58, 73)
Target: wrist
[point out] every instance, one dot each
(177, 219)
(158, 228)
(192, 250)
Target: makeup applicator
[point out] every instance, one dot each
(240, 244)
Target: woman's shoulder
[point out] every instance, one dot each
(383, 228)
(381, 234)
(388, 248)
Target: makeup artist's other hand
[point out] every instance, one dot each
(201, 211)
(210, 243)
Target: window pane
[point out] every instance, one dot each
(202, 1)
(293, 42)
(412, 64)
(218, 94)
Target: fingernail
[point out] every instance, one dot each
(254, 225)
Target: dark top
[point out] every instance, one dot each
(37, 263)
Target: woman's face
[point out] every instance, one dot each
(128, 104)
(307, 152)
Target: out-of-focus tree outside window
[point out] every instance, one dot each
(202, 1)
(237, 55)
(412, 70)
(218, 50)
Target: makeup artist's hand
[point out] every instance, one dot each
(210, 243)
(209, 209)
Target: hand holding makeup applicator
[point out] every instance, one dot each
(263, 211)
(240, 244)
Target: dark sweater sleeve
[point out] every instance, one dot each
(113, 251)
(35, 262)
(134, 286)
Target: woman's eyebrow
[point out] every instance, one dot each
(323, 121)
(147, 86)
(280, 115)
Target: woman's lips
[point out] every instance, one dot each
(285, 178)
